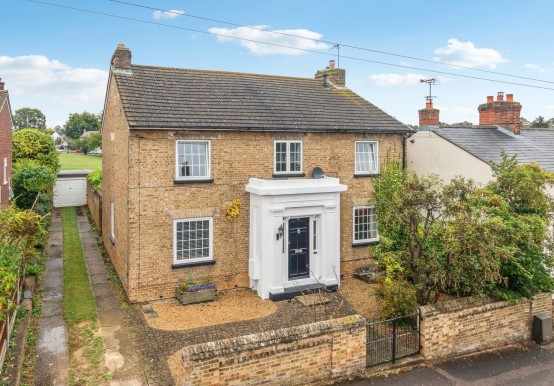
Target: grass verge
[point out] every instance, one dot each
(77, 161)
(86, 348)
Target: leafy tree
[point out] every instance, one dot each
(30, 179)
(539, 122)
(77, 124)
(34, 145)
(27, 118)
(524, 122)
(527, 221)
(464, 238)
(95, 178)
(90, 143)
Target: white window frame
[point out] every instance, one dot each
(376, 154)
(198, 259)
(368, 240)
(288, 171)
(5, 171)
(112, 221)
(208, 160)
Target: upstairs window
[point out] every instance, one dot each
(365, 225)
(288, 157)
(193, 160)
(367, 158)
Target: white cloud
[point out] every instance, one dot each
(396, 79)
(550, 107)
(258, 34)
(55, 88)
(466, 54)
(537, 68)
(167, 15)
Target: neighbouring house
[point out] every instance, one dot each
(183, 149)
(6, 129)
(449, 151)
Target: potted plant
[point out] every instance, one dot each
(190, 292)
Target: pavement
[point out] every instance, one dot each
(52, 363)
(52, 352)
(525, 364)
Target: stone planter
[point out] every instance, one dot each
(187, 297)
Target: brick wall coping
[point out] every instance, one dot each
(454, 305)
(243, 343)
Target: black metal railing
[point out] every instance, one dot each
(392, 339)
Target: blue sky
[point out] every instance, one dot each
(57, 59)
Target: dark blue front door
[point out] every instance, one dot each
(299, 253)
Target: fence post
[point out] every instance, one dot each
(394, 340)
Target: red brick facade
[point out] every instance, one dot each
(6, 127)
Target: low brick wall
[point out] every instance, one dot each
(94, 203)
(473, 324)
(321, 350)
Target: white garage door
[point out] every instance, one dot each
(70, 191)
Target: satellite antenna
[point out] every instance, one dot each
(337, 46)
(317, 172)
(431, 82)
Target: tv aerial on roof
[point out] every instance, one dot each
(431, 82)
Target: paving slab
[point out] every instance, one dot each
(52, 362)
(97, 278)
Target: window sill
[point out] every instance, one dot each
(288, 175)
(183, 182)
(365, 243)
(112, 240)
(367, 175)
(192, 264)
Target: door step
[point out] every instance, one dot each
(313, 299)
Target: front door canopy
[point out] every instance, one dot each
(277, 187)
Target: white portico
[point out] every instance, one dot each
(294, 234)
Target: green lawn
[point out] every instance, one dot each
(78, 300)
(77, 161)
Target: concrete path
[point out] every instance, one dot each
(526, 364)
(121, 360)
(52, 352)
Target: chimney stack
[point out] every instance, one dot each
(121, 59)
(429, 116)
(503, 113)
(335, 76)
(2, 84)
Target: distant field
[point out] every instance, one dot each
(76, 161)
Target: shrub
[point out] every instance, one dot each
(396, 298)
(34, 145)
(11, 256)
(29, 179)
(95, 178)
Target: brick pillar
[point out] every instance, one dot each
(429, 116)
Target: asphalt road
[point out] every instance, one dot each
(527, 365)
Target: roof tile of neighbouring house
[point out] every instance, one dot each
(487, 143)
(173, 98)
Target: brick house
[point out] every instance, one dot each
(6, 128)
(179, 146)
(449, 151)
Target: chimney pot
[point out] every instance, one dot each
(509, 97)
(506, 115)
(500, 96)
(429, 105)
(331, 64)
(335, 76)
(490, 99)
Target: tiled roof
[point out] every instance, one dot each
(172, 98)
(486, 143)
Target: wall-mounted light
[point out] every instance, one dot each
(280, 232)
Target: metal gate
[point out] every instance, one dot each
(392, 339)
